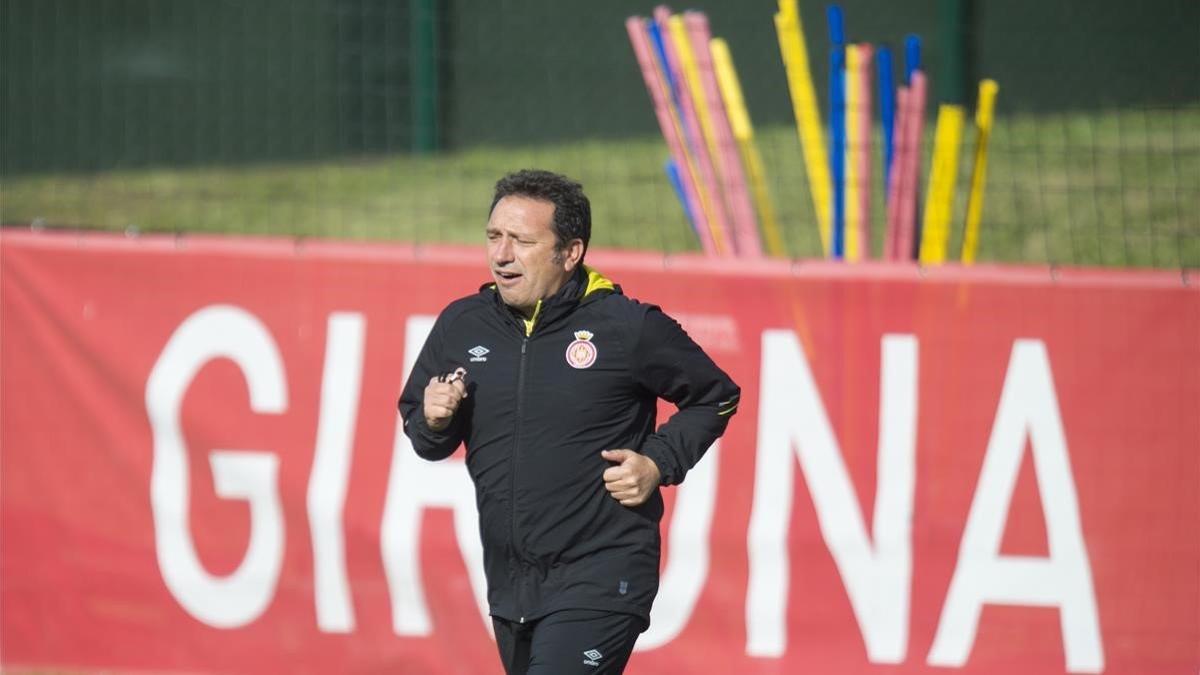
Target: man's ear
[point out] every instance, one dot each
(572, 254)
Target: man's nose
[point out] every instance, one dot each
(502, 250)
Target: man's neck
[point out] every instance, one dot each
(528, 312)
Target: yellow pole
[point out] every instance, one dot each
(698, 161)
(853, 138)
(939, 199)
(743, 133)
(983, 130)
(691, 73)
(790, 30)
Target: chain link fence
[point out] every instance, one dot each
(390, 120)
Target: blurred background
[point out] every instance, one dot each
(391, 120)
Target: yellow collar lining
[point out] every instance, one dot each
(595, 282)
(537, 309)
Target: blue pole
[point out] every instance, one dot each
(837, 127)
(837, 26)
(912, 56)
(677, 185)
(887, 109)
(656, 39)
(912, 61)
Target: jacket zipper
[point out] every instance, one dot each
(513, 476)
(516, 447)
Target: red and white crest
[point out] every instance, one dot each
(581, 353)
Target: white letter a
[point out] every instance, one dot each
(1064, 580)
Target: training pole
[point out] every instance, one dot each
(668, 123)
(914, 121)
(865, 58)
(887, 112)
(743, 133)
(792, 47)
(943, 177)
(729, 165)
(837, 127)
(891, 242)
(984, 108)
(683, 64)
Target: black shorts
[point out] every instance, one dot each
(570, 641)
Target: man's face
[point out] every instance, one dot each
(522, 255)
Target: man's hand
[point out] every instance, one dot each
(443, 395)
(633, 479)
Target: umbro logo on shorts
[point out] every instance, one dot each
(592, 657)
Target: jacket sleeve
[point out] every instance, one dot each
(672, 366)
(430, 444)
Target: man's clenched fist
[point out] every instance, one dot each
(443, 395)
(632, 478)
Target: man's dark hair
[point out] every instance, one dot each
(572, 211)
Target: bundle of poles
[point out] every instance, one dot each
(717, 171)
(698, 102)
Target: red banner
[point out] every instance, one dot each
(981, 469)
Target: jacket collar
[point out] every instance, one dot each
(584, 286)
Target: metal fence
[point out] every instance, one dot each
(384, 119)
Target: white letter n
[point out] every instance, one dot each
(877, 577)
(1064, 580)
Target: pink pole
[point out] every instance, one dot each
(891, 243)
(669, 124)
(915, 125)
(709, 191)
(733, 179)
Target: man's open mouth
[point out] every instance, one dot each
(508, 276)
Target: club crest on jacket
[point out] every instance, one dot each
(582, 352)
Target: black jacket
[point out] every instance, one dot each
(544, 398)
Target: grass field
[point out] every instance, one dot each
(1115, 188)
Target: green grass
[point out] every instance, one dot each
(1114, 188)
